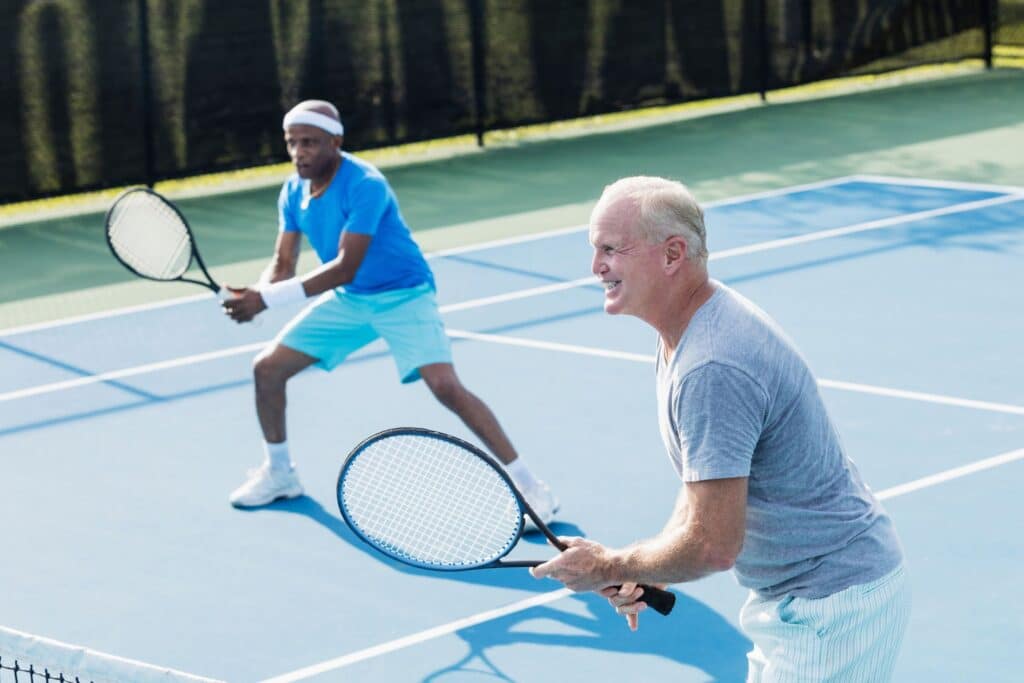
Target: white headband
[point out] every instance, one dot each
(305, 117)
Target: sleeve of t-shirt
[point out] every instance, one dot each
(370, 199)
(285, 218)
(720, 413)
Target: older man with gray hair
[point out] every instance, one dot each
(767, 489)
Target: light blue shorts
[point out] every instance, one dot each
(852, 636)
(339, 323)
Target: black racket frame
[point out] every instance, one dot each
(195, 257)
(658, 599)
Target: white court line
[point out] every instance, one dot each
(422, 636)
(919, 396)
(130, 372)
(545, 598)
(555, 287)
(504, 242)
(780, 192)
(828, 383)
(866, 226)
(937, 184)
(740, 199)
(949, 475)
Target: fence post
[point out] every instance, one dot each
(765, 52)
(147, 94)
(478, 35)
(988, 16)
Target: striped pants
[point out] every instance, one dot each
(850, 636)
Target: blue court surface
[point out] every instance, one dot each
(121, 436)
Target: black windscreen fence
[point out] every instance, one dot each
(99, 93)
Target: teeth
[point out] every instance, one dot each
(608, 286)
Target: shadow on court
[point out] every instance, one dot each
(693, 635)
(532, 546)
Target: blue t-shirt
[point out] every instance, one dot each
(358, 200)
(738, 400)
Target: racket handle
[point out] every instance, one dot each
(661, 601)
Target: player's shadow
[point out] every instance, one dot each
(694, 636)
(533, 546)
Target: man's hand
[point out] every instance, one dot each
(583, 566)
(245, 304)
(627, 600)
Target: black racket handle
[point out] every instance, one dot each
(661, 601)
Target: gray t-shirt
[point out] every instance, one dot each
(738, 400)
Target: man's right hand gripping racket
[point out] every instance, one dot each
(434, 501)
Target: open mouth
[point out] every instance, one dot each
(611, 285)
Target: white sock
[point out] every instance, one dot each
(277, 455)
(521, 475)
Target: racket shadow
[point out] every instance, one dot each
(711, 644)
(517, 578)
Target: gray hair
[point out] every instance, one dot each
(665, 208)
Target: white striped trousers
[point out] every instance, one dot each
(848, 637)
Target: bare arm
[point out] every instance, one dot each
(248, 302)
(286, 257)
(342, 270)
(703, 536)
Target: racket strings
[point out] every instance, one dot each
(431, 502)
(149, 236)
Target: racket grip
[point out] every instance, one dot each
(661, 601)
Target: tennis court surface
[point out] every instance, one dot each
(122, 434)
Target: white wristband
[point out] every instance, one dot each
(283, 293)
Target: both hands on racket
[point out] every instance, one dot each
(243, 304)
(583, 566)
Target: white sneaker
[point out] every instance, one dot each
(265, 485)
(544, 505)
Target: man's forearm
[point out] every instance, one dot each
(328, 276)
(673, 556)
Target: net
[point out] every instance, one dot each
(429, 502)
(26, 659)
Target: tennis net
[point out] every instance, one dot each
(26, 658)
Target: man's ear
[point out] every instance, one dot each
(675, 253)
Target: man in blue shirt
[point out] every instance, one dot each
(373, 282)
(767, 489)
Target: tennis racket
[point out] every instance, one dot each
(151, 238)
(434, 501)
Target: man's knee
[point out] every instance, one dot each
(444, 384)
(268, 369)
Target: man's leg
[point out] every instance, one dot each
(272, 369)
(276, 477)
(447, 388)
(852, 636)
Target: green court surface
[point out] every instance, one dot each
(965, 128)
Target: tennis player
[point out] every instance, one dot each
(373, 282)
(767, 489)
